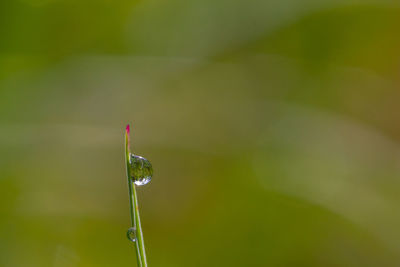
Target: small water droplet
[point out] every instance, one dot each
(140, 169)
(131, 234)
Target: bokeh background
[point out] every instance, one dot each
(273, 128)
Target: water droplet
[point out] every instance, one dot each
(140, 169)
(131, 234)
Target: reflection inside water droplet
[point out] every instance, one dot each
(131, 234)
(141, 170)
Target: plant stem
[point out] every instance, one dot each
(134, 208)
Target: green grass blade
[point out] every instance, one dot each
(134, 208)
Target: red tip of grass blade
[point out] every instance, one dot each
(127, 131)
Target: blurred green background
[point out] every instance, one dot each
(272, 126)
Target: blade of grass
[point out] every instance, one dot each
(134, 207)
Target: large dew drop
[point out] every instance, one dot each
(140, 169)
(131, 234)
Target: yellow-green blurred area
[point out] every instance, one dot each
(272, 126)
